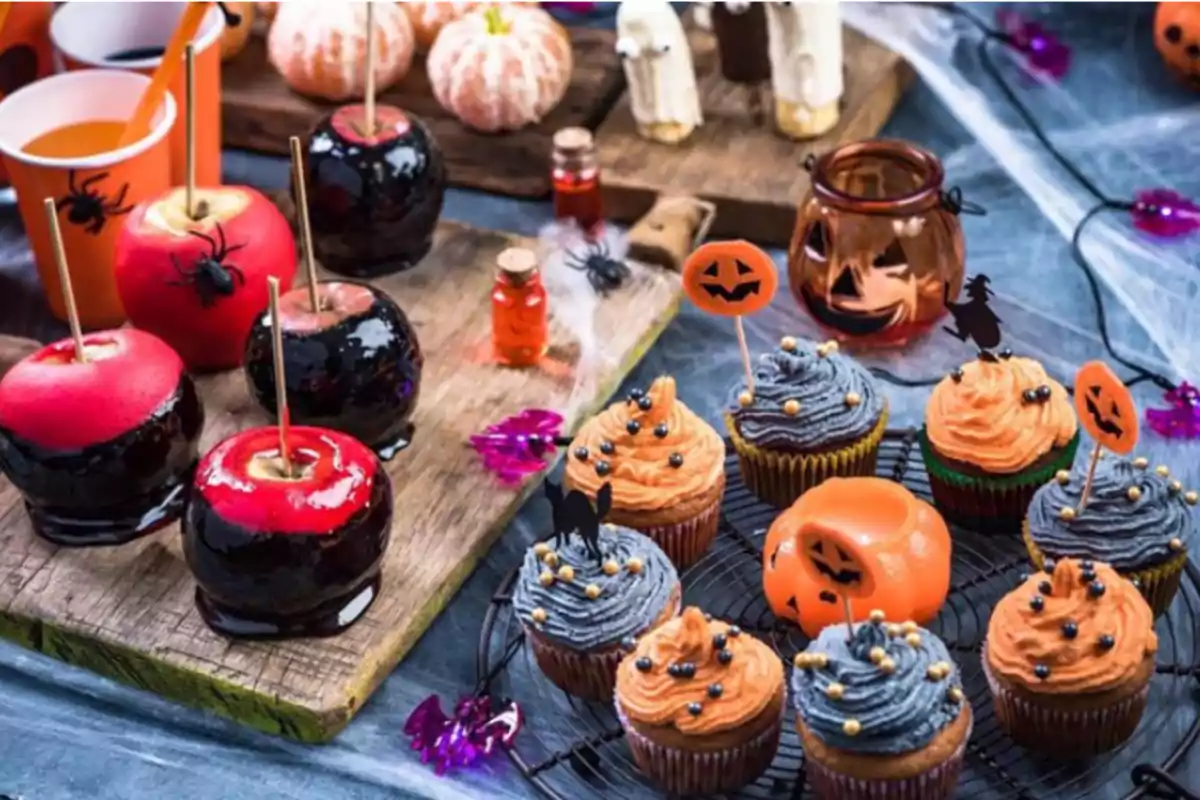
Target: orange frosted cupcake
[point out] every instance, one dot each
(1069, 656)
(996, 430)
(702, 705)
(666, 467)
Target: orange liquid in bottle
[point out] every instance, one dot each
(520, 323)
(77, 140)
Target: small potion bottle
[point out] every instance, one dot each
(576, 179)
(519, 317)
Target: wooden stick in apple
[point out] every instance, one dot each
(369, 97)
(285, 454)
(310, 264)
(64, 279)
(189, 63)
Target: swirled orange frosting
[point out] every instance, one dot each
(989, 414)
(747, 679)
(652, 448)
(1081, 629)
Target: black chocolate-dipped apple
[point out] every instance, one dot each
(373, 201)
(354, 366)
(279, 556)
(103, 451)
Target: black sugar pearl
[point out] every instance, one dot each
(581, 453)
(608, 448)
(1087, 576)
(694, 709)
(1045, 587)
(1042, 671)
(661, 430)
(1070, 630)
(708, 617)
(1107, 642)
(715, 690)
(629, 644)
(1087, 566)
(1006, 353)
(643, 664)
(1048, 566)
(636, 394)
(1096, 589)
(674, 671)
(719, 641)
(1043, 393)
(1024, 576)
(634, 427)
(603, 468)
(645, 403)
(1029, 396)
(724, 657)
(735, 631)
(1037, 603)
(687, 670)
(675, 460)
(956, 375)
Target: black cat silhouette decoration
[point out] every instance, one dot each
(573, 513)
(974, 319)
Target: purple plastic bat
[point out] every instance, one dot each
(1182, 419)
(1043, 51)
(518, 446)
(1161, 212)
(475, 731)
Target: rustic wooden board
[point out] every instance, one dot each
(753, 174)
(127, 612)
(259, 112)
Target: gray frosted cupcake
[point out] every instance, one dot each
(1138, 520)
(814, 414)
(583, 607)
(881, 714)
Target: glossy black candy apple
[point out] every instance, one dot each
(103, 451)
(354, 366)
(373, 201)
(278, 556)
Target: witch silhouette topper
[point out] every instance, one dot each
(974, 319)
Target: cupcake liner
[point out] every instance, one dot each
(685, 542)
(1158, 585)
(780, 478)
(1065, 733)
(936, 783)
(684, 772)
(993, 504)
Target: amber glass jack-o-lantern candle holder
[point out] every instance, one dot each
(878, 249)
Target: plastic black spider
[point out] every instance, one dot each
(87, 207)
(604, 272)
(210, 275)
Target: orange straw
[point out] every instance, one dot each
(4, 9)
(139, 123)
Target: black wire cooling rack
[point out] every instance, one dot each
(571, 750)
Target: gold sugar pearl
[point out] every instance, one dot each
(877, 616)
(818, 660)
(935, 673)
(791, 408)
(550, 559)
(539, 615)
(1134, 493)
(835, 691)
(913, 639)
(745, 399)
(955, 694)
(1176, 486)
(788, 343)
(887, 666)
(945, 666)
(566, 574)
(853, 399)
(825, 348)
(546, 578)
(801, 661)
(540, 549)
(611, 567)
(909, 627)
(1176, 544)
(1162, 471)
(1063, 477)
(634, 565)
(592, 591)
(852, 727)
(1141, 462)
(895, 631)
(1066, 513)
(1190, 498)
(877, 655)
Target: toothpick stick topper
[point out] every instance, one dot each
(731, 279)
(64, 279)
(301, 194)
(1106, 411)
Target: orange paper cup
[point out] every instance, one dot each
(87, 35)
(24, 50)
(93, 185)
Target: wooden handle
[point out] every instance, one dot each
(64, 278)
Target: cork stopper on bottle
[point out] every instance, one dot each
(518, 264)
(572, 141)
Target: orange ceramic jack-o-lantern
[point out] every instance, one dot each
(866, 539)
(1105, 408)
(730, 278)
(1177, 37)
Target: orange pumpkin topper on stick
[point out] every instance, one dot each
(1177, 37)
(1105, 409)
(731, 279)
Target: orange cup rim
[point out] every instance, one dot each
(208, 35)
(166, 114)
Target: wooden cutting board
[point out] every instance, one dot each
(127, 612)
(259, 112)
(752, 174)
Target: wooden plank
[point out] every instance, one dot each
(259, 112)
(753, 174)
(127, 612)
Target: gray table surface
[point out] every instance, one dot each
(67, 734)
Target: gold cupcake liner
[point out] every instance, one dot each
(780, 478)
(1158, 584)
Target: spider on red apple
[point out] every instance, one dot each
(87, 207)
(210, 275)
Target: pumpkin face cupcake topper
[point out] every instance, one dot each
(1106, 411)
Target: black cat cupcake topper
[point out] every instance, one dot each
(573, 513)
(974, 319)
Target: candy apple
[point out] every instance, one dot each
(374, 200)
(199, 284)
(281, 555)
(102, 450)
(354, 365)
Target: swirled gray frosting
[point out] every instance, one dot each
(628, 604)
(820, 384)
(898, 712)
(1127, 534)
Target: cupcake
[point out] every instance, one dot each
(814, 414)
(881, 713)
(995, 431)
(1069, 656)
(582, 603)
(702, 705)
(1137, 520)
(666, 467)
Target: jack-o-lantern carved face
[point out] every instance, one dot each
(1105, 407)
(732, 278)
(1177, 37)
(866, 539)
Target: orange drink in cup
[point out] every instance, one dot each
(131, 36)
(58, 139)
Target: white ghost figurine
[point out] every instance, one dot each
(659, 70)
(805, 45)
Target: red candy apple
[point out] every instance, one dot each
(199, 284)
